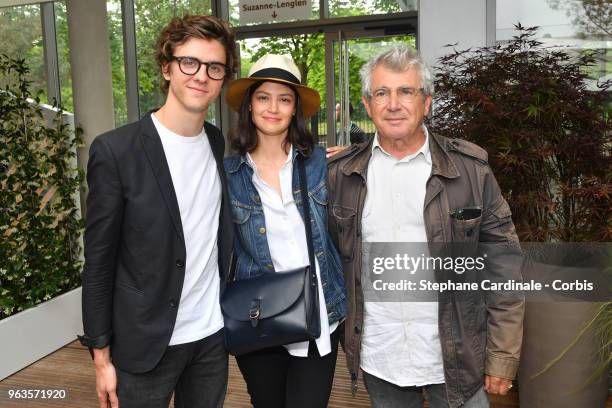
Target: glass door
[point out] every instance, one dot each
(330, 63)
(348, 120)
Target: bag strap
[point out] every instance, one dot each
(307, 222)
(233, 261)
(306, 206)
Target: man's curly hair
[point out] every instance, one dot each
(179, 30)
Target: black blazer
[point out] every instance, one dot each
(134, 245)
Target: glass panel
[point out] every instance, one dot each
(151, 16)
(358, 51)
(308, 52)
(346, 8)
(63, 56)
(21, 34)
(579, 26)
(115, 42)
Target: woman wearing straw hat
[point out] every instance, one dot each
(267, 210)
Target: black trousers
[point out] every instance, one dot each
(196, 372)
(275, 379)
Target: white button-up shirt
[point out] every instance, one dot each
(287, 242)
(401, 342)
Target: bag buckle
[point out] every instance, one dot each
(255, 312)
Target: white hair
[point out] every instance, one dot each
(398, 58)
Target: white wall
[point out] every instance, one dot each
(470, 23)
(36, 332)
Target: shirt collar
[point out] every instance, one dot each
(424, 150)
(290, 158)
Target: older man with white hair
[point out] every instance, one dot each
(410, 185)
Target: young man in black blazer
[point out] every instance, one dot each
(159, 235)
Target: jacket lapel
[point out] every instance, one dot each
(157, 159)
(217, 150)
(226, 227)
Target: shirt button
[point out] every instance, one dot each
(262, 230)
(180, 263)
(173, 303)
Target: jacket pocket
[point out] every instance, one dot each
(345, 220)
(240, 213)
(319, 194)
(466, 230)
(130, 288)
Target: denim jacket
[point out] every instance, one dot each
(251, 245)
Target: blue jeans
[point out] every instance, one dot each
(196, 372)
(383, 394)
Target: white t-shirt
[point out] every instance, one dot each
(286, 236)
(198, 191)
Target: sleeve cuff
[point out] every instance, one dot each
(501, 367)
(95, 342)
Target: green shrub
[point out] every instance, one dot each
(40, 223)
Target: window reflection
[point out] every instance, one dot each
(577, 25)
(21, 33)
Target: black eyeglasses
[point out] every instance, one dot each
(191, 66)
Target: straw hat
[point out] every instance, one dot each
(276, 68)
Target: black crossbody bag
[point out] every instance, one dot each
(273, 309)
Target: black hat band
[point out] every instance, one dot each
(276, 73)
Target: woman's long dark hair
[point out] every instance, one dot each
(244, 139)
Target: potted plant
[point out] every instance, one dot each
(40, 221)
(548, 139)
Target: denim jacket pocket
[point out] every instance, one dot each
(240, 212)
(319, 194)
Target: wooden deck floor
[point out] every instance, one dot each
(70, 369)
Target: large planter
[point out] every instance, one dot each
(39, 331)
(550, 327)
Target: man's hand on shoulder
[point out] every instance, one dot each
(106, 379)
(497, 385)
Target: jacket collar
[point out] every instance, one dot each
(358, 161)
(235, 162)
(441, 162)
